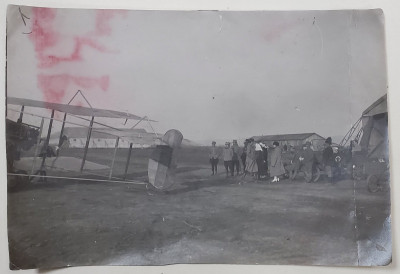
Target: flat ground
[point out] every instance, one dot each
(202, 219)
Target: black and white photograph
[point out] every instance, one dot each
(155, 137)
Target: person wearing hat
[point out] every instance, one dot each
(277, 168)
(259, 159)
(328, 159)
(243, 156)
(228, 154)
(235, 157)
(295, 163)
(251, 164)
(308, 161)
(214, 158)
(262, 161)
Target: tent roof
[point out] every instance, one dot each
(284, 137)
(378, 107)
(76, 110)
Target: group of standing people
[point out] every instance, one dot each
(230, 155)
(258, 160)
(302, 160)
(305, 159)
(252, 159)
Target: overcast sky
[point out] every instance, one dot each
(210, 74)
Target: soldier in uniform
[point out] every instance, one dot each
(228, 154)
(327, 159)
(214, 158)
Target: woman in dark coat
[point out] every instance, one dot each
(328, 159)
(263, 162)
(277, 168)
(243, 155)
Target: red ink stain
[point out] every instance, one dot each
(43, 36)
(51, 60)
(55, 87)
(45, 39)
(103, 18)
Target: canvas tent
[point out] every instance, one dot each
(375, 138)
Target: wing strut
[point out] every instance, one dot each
(113, 160)
(60, 140)
(46, 144)
(128, 160)
(87, 143)
(37, 146)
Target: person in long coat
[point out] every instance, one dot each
(243, 156)
(259, 160)
(308, 161)
(328, 159)
(263, 166)
(251, 164)
(277, 168)
(235, 157)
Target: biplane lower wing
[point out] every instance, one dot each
(59, 163)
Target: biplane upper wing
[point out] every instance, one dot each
(75, 110)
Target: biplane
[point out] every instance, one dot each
(41, 161)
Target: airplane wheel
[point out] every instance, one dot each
(317, 174)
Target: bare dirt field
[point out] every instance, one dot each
(202, 219)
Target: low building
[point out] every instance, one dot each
(106, 138)
(292, 140)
